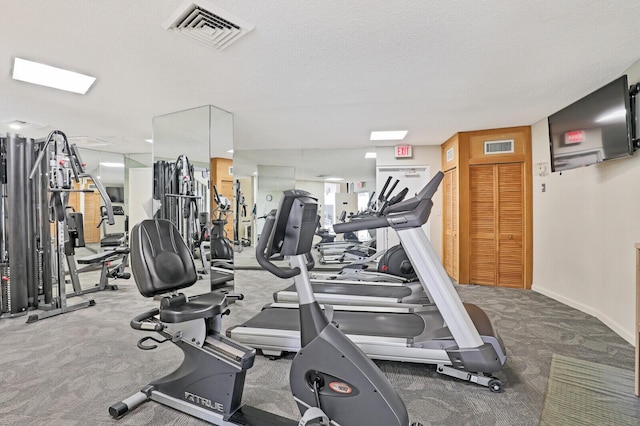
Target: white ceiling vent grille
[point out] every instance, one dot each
(498, 147)
(450, 154)
(207, 23)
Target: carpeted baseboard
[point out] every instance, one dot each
(586, 393)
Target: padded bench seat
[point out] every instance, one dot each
(203, 306)
(102, 256)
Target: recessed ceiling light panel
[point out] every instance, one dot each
(46, 75)
(389, 135)
(22, 125)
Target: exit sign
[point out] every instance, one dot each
(576, 136)
(403, 151)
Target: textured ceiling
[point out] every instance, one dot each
(317, 74)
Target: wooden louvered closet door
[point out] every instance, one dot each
(451, 241)
(497, 224)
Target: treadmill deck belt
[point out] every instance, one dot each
(397, 325)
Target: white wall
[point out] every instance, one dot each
(422, 156)
(271, 182)
(140, 195)
(314, 187)
(584, 229)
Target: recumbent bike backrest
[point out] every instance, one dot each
(160, 260)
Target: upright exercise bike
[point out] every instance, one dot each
(332, 380)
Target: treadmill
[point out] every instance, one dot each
(359, 293)
(352, 249)
(357, 287)
(458, 338)
(397, 268)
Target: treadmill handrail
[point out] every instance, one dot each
(426, 193)
(394, 200)
(360, 224)
(401, 220)
(406, 214)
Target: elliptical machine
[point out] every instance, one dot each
(332, 380)
(221, 247)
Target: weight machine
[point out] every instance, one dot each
(37, 177)
(181, 197)
(111, 262)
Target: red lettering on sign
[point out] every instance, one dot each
(576, 136)
(403, 151)
(340, 387)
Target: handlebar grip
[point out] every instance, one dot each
(398, 197)
(388, 194)
(262, 258)
(216, 195)
(138, 322)
(384, 188)
(105, 198)
(359, 225)
(233, 296)
(311, 263)
(264, 236)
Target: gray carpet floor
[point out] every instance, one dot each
(67, 370)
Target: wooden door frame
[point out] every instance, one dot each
(465, 154)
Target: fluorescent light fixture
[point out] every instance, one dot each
(46, 75)
(389, 135)
(334, 179)
(15, 126)
(149, 140)
(230, 151)
(112, 164)
(370, 155)
(612, 116)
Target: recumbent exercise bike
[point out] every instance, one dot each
(332, 380)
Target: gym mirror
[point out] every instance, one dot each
(342, 180)
(193, 186)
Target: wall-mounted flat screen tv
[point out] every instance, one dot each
(593, 129)
(115, 193)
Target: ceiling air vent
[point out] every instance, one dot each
(498, 147)
(207, 23)
(450, 153)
